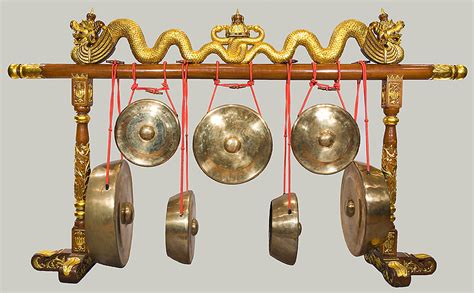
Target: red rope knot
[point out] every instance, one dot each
(154, 91)
(217, 81)
(165, 86)
(134, 86)
(250, 83)
(236, 86)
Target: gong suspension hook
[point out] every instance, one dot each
(152, 90)
(287, 137)
(184, 133)
(114, 78)
(366, 111)
(325, 87)
(248, 84)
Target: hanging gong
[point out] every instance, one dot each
(147, 132)
(232, 144)
(364, 208)
(284, 229)
(181, 229)
(109, 214)
(325, 139)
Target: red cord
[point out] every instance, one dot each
(325, 87)
(153, 90)
(366, 111)
(287, 137)
(249, 84)
(111, 115)
(184, 134)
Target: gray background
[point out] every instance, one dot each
(434, 207)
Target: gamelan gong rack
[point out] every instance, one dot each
(94, 43)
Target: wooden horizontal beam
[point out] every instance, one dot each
(241, 71)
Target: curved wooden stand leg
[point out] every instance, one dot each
(73, 264)
(71, 267)
(396, 267)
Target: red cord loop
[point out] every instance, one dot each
(111, 115)
(152, 90)
(249, 84)
(366, 112)
(184, 133)
(287, 137)
(325, 87)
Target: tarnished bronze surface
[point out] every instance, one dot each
(232, 144)
(147, 132)
(181, 229)
(364, 208)
(109, 221)
(284, 229)
(325, 139)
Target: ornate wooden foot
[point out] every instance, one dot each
(71, 267)
(397, 270)
(417, 264)
(394, 272)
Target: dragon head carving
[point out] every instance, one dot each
(87, 31)
(386, 30)
(383, 40)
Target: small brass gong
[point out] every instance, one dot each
(325, 139)
(109, 214)
(232, 144)
(284, 229)
(147, 132)
(365, 208)
(181, 229)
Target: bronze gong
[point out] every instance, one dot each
(147, 132)
(325, 139)
(364, 208)
(109, 214)
(232, 144)
(284, 229)
(181, 229)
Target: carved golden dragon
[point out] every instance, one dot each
(95, 42)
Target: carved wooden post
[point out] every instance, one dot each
(396, 267)
(82, 101)
(391, 104)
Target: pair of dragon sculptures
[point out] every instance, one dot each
(94, 42)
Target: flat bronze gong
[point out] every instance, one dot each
(284, 229)
(181, 229)
(109, 214)
(365, 208)
(147, 132)
(325, 139)
(232, 144)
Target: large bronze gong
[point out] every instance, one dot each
(147, 132)
(109, 214)
(181, 229)
(232, 144)
(365, 208)
(284, 229)
(325, 139)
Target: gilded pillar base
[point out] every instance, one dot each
(71, 267)
(397, 270)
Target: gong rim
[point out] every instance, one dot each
(364, 208)
(284, 229)
(212, 152)
(180, 230)
(109, 214)
(322, 148)
(147, 132)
